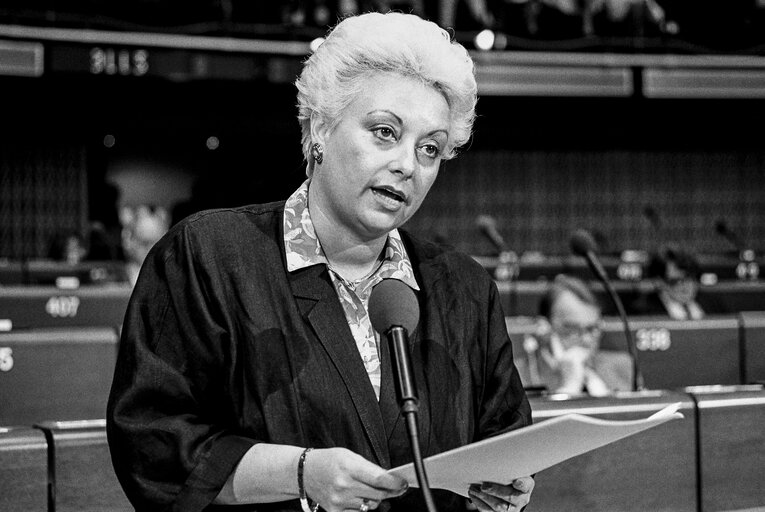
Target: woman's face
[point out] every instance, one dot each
(381, 158)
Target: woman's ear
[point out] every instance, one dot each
(319, 129)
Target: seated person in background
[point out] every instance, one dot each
(142, 227)
(68, 247)
(563, 355)
(676, 273)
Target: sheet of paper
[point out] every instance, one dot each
(528, 450)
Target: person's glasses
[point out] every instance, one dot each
(570, 331)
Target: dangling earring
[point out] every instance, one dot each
(317, 152)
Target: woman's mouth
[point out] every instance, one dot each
(389, 194)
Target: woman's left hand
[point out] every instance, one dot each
(493, 497)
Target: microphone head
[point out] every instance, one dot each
(391, 304)
(486, 222)
(721, 227)
(653, 216)
(582, 242)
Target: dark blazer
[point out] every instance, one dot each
(221, 348)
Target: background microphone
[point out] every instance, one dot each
(507, 264)
(582, 244)
(488, 226)
(722, 229)
(652, 215)
(394, 313)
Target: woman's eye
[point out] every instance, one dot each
(431, 150)
(384, 132)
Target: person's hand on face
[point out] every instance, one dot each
(494, 497)
(569, 361)
(339, 479)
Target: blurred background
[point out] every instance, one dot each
(591, 114)
(630, 128)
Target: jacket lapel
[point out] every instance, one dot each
(319, 305)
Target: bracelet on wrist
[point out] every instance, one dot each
(305, 502)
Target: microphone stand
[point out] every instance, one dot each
(637, 377)
(407, 398)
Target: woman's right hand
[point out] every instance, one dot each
(339, 479)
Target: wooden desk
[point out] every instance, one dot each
(735, 296)
(23, 307)
(55, 374)
(753, 346)
(83, 478)
(678, 353)
(731, 448)
(23, 470)
(653, 470)
(522, 298)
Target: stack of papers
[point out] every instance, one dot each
(528, 450)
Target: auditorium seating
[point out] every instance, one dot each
(55, 374)
(45, 272)
(653, 470)
(709, 461)
(522, 298)
(23, 470)
(82, 476)
(753, 346)
(731, 445)
(632, 268)
(24, 307)
(678, 353)
(736, 296)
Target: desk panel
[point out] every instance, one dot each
(653, 470)
(60, 374)
(23, 307)
(732, 448)
(753, 346)
(83, 476)
(678, 353)
(23, 470)
(733, 296)
(522, 298)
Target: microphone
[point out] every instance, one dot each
(722, 229)
(507, 264)
(747, 267)
(653, 217)
(582, 244)
(488, 226)
(394, 313)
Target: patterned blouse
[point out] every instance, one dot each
(303, 249)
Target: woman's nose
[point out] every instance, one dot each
(405, 162)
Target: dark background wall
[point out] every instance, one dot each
(541, 166)
(544, 167)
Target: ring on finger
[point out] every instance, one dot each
(364, 505)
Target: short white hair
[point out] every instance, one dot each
(361, 46)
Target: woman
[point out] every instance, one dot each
(248, 371)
